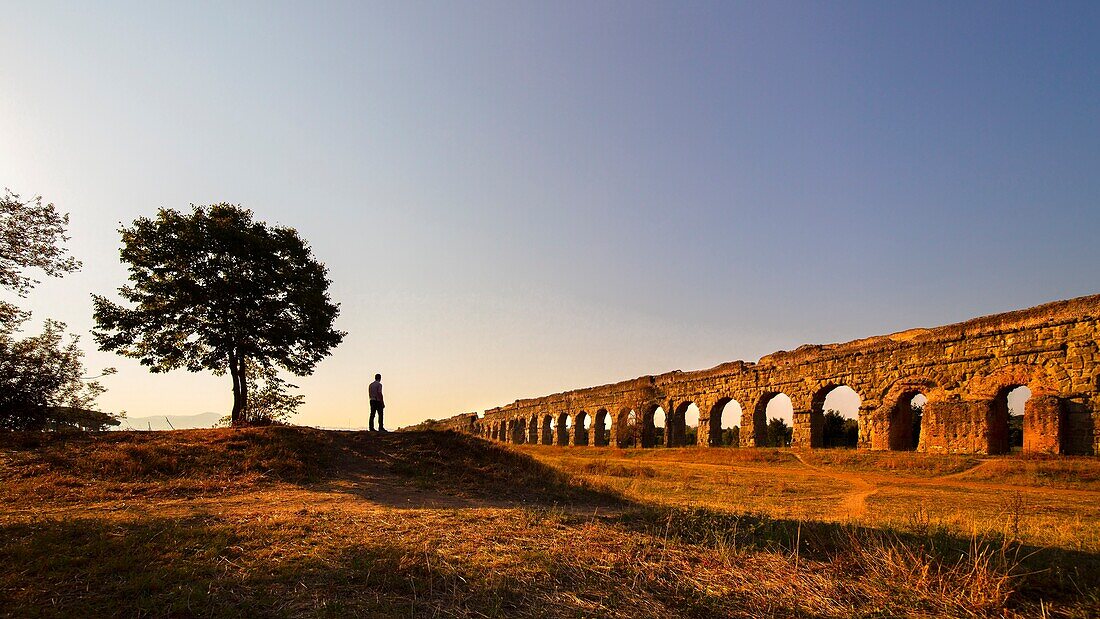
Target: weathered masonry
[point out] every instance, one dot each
(965, 372)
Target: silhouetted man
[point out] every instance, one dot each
(377, 404)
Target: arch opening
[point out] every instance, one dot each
(602, 428)
(564, 422)
(627, 429)
(1006, 423)
(580, 430)
(547, 430)
(725, 423)
(779, 412)
(905, 421)
(533, 430)
(839, 408)
(684, 427)
(654, 432)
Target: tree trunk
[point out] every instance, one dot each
(242, 376)
(238, 399)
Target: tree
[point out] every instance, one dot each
(39, 374)
(839, 431)
(691, 435)
(918, 413)
(32, 236)
(779, 434)
(215, 290)
(42, 381)
(1016, 431)
(731, 437)
(271, 402)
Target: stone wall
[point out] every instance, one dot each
(964, 370)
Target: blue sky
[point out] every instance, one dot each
(518, 198)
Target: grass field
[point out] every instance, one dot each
(297, 522)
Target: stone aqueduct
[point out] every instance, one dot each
(964, 370)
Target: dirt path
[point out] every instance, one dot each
(860, 486)
(854, 504)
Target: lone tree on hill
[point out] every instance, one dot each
(216, 290)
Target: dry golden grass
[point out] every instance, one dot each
(1048, 471)
(900, 462)
(967, 495)
(288, 522)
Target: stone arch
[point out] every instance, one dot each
(580, 432)
(547, 429)
(562, 434)
(718, 415)
(1044, 414)
(817, 420)
(650, 437)
(1034, 377)
(533, 430)
(676, 426)
(602, 428)
(892, 424)
(760, 414)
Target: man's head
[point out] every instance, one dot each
(377, 377)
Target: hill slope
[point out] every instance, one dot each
(297, 522)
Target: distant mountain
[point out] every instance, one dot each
(179, 422)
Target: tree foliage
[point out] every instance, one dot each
(1016, 431)
(32, 236)
(918, 414)
(272, 400)
(42, 380)
(839, 431)
(779, 434)
(731, 437)
(216, 290)
(40, 373)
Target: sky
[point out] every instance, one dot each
(519, 198)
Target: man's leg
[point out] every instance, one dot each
(381, 426)
(373, 410)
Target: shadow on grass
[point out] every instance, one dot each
(473, 471)
(203, 566)
(1052, 574)
(324, 564)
